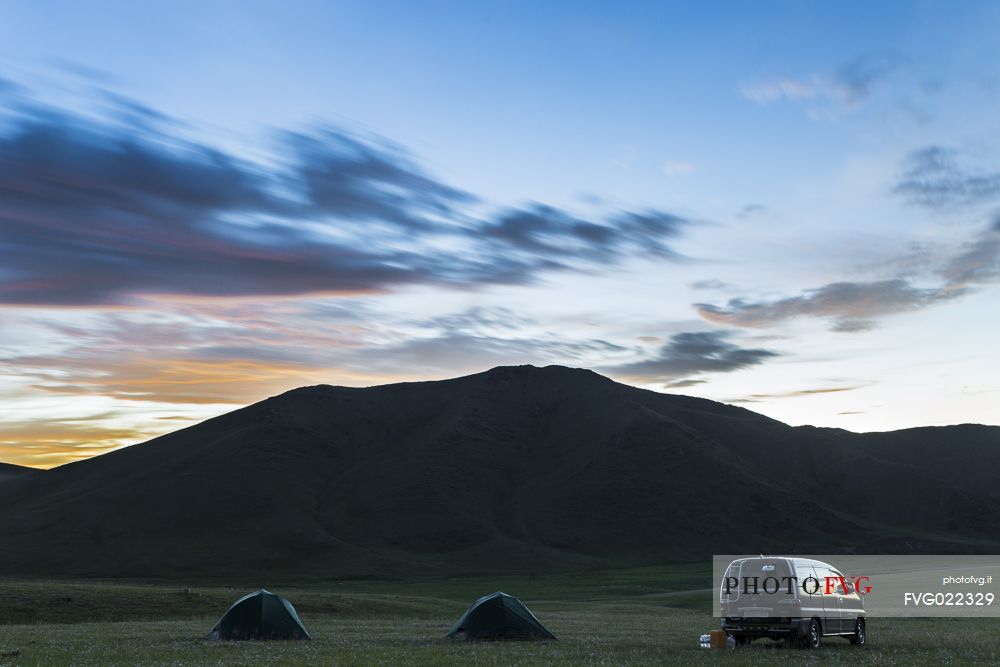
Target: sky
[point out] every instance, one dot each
(789, 206)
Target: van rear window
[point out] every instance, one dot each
(757, 570)
(765, 567)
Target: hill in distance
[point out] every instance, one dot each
(8, 471)
(514, 469)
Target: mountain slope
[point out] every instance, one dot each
(514, 468)
(9, 471)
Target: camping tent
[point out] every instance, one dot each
(499, 616)
(260, 615)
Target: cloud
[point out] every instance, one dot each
(113, 211)
(933, 178)
(857, 79)
(852, 325)
(857, 306)
(471, 340)
(230, 378)
(750, 210)
(351, 179)
(96, 215)
(978, 262)
(208, 354)
(190, 360)
(214, 355)
(478, 318)
(451, 353)
(776, 89)
(684, 384)
(52, 442)
(550, 235)
(847, 87)
(850, 304)
(798, 393)
(690, 353)
(710, 284)
(803, 392)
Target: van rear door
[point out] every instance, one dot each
(851, 606)
(832, 601)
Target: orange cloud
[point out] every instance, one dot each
(52, 443)
(189, 381)
(138, 381)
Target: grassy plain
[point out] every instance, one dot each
(622, 617)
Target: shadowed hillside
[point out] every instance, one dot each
(8, 471)
(519, 468)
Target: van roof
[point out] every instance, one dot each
(791, 559)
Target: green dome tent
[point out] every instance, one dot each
(260, 615)
(499, 616)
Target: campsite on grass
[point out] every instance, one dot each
(652, 615)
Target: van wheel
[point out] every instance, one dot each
(814, 635)
(858, 638)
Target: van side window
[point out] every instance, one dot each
(825, 572)
(803, 572)
(734, 570)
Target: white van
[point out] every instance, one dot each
(798, 600)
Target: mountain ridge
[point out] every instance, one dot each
(12, 471)
(512, 468)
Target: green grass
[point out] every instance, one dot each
(622, 617)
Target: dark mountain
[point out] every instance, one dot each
(518, 468)
(8, 471)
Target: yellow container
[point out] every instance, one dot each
(717, 639)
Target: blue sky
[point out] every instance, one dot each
(793, 206)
